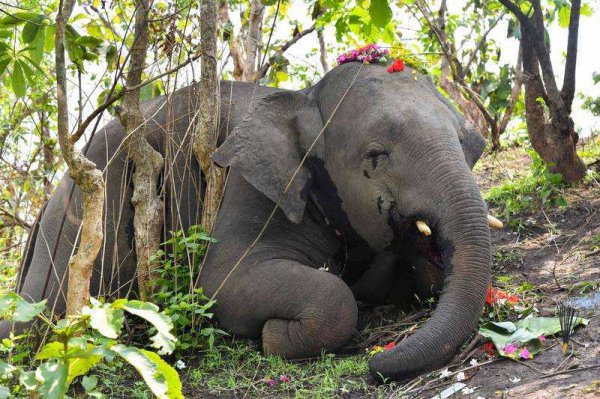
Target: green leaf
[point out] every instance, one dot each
(17, 18)
(25, 311)
(18, 85)
(27, 71)
(380, 13)
(49, 38)
(6, 370)
(281, 76)
(146, 367)
(586, 10)
(171, 375)
(52, 350)
(105, 319)
(36, 51)
(81, 365)
(31, 29)
(564, 15)
(27, 380)
(164, 340)
(53, 379)
(525, 332)
(89, 383)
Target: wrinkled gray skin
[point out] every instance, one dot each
(394, 152)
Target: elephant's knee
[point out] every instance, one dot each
(325, 323)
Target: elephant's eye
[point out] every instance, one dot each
(376, 155)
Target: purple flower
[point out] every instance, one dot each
(269, 381)
(525, 354)
(542, 338)
(284, 378)
(510, 348)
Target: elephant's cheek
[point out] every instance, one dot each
(373, 228)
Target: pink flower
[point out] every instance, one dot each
(525, 354)
(284, 378)
(542, 338)
(510, 348)
(269, 381)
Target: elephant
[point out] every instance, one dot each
(356, 188)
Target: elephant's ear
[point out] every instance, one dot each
(471, 141)
(267, 148)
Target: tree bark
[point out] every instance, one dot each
(568, 87)
(205, 138)
(515, 92)
(148, 163)
(551, 131)
(85, 174)
(323, 51)
(252, 42)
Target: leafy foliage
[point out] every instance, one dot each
(80, 343)
(526, 332)
(187, 307)
(540, 188)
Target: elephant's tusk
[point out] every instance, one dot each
(494, 223)
(423, 228)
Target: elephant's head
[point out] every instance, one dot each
(392, 151)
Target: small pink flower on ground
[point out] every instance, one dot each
(542, 338)
(284, 378)
(510, 348)
(269, 381)
(525, 354)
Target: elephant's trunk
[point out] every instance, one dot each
(463, 233)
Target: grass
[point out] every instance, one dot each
(235, 368)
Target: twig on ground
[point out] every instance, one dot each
(572, 370)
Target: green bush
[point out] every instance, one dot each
(176, 293)
(539, 188)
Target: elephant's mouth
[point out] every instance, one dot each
(409, 242)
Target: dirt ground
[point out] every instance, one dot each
(558, 254)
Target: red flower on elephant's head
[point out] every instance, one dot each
(397, 66)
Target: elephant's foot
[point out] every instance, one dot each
(300, 311)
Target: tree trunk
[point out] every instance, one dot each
(322, 50)
(85, 175)
(205, 139)
(556, 147)
(252, 42)
(547, 109)
(148, 163)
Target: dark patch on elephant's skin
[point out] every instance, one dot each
(355, 254)
(379, 204)
(366, 174)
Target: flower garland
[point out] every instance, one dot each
(369, 54)
(372, 53)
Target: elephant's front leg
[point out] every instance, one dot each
(299, 311)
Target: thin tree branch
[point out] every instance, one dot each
(299, 35)
(116, 97)
(568, 87)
